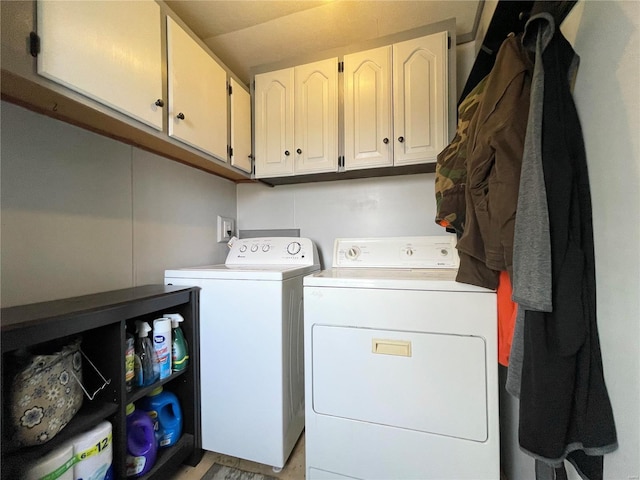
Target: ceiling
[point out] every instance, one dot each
(247, 33)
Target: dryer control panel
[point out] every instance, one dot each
(396, 252)
(272, 251)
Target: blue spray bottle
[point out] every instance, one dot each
(147, 369)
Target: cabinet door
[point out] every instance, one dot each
(420, 99)
(107, 50)
(316, 117)
(197, 94)
(367, 109)
(274, 123)
(240, 127)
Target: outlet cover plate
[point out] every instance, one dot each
(226, 228)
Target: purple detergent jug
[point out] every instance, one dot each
(141, 442)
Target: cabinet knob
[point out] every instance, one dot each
(286, 152)
(385, 141)
(180, 116)
(401, 139)
(299, 151)
(160, 102)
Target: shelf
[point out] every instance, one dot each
(89, 415)
(101, 319)
(26, 325)
(170, 458)
(137, 393)
(351, 174)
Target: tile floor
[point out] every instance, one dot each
(293, 470)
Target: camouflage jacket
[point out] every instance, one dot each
(451, 168)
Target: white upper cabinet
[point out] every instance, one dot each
(240, 127)
(197, 94)
(296, 120)
(316, 117)
(274, 123)
(368, 123)
(109, 51)
(420, 99)
(396, 103)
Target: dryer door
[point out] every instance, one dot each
(430, 382)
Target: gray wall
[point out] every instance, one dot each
(82, 213)
(391, 206)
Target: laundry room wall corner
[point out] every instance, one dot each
(83, 213)
(371, 207)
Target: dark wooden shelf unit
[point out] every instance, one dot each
(102, 320)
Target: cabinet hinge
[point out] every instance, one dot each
(230, 89)
(448, 43)
(34, 44)
(340, 67)
(231, 151)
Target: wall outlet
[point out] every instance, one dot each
(226, 229)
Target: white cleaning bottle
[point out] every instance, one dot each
(162, 344)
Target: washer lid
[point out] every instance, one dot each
(242, 272)
(391, 279)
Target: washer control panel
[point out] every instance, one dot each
(396, 252)
(272, 251)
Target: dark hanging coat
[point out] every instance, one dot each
(565, 412)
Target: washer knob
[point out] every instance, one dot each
(293, 248)
(408, 251)
(353, 253)
(254, 248)
(265, 248)
(243, 248)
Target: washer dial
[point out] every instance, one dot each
(353, 253)
(293, 248)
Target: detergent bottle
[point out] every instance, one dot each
(129, 361)
(146, 362)
(164, 410)
(179, 346)
(141, 442)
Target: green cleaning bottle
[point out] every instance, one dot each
(179, 347)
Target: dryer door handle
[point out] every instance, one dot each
(401, 348)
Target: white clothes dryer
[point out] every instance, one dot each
(251, 346)
(401, 365)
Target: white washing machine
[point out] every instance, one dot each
(401, 369)
(251, 346)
